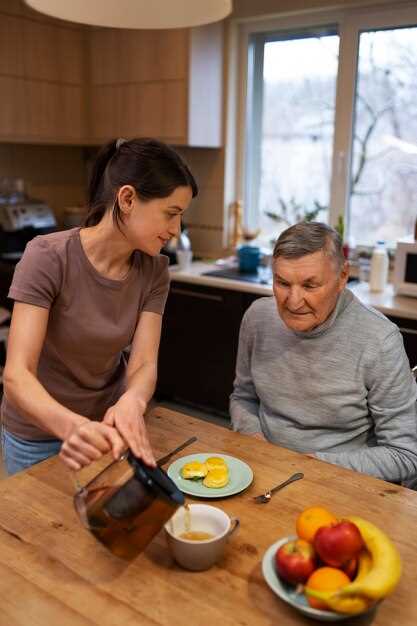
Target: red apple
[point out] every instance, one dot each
(338, 543)
(295, 561)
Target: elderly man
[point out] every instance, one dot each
(318, 371)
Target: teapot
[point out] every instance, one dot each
(127, 504)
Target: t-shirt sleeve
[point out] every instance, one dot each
(38, 275)
(158, 293)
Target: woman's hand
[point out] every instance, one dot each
(126, 416)
(88, 442)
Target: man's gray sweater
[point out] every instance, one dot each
(343, 390)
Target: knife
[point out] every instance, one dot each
(166, 458)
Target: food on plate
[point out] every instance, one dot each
(311, 519)
(295, 561)
(338, 543)
(216, 478)
(213, 470)
(194, 470)
(215, 462)
(325, 579)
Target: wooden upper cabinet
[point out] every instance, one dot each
(65, 83)
(42, 80)
(53, 53)
(164, 84)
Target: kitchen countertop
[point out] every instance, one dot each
(53, 571)
(386, 302)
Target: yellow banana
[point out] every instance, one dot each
(385, 572)
(349, 604)
(379, 572)
(364, 565)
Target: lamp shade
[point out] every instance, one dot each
(136, 13)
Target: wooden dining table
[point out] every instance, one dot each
(54, 572)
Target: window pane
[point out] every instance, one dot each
(383, 187)
(299, 85)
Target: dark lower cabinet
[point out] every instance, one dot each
(408, 330)
(199, 343)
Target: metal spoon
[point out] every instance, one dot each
(265, 497)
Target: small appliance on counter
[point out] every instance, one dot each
(182, 242)
(405, 268)
(21, 219)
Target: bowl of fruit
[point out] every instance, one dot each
(332, 569)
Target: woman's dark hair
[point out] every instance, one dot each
(154, 169)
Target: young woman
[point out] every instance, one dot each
(82, 296)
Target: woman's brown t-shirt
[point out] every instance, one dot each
(92, 319)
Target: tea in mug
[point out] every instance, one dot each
(196, 535)
(192, 535)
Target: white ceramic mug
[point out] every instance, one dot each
(199, 555)
(184, 258)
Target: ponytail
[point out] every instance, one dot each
(96, 201)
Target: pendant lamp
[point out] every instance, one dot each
(136, 13)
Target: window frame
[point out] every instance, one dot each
(349, 22)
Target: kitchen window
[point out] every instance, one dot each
(327, 122)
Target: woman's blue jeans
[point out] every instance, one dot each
(19, 454)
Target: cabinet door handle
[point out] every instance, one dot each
(196, 294)
(409, 331)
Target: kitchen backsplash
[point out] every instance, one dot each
(55, 174)
(58, 175)
(205, 215)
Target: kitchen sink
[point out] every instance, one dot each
(263, 276)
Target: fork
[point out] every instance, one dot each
(265, 497)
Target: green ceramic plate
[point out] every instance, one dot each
(287, 592)
(240, 475)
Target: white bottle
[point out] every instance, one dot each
(379, 267)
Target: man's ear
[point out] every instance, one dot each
(126, 196)
(344, 275)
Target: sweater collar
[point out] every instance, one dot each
(344, 299)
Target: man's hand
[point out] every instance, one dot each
(87, 442)
(126, 416)
(259, 436)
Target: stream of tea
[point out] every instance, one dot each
(192, 535)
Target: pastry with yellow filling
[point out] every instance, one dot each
(194, 470)
(215, 462)
(216, 478)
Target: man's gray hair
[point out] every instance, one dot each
(309, 237)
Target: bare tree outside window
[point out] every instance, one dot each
(297, 128)
(383, 188)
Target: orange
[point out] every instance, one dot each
(311, 519)
(325, 579)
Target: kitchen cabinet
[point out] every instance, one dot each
(199, 343)
(70, 84)
(408, 330)
(165, 84)
(42, 80)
